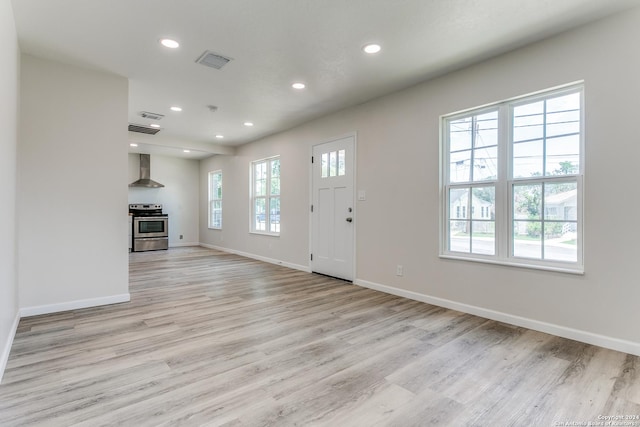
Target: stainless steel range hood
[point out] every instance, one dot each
(145, 174)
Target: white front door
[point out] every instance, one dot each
(333, 214)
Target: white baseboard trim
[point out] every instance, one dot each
(4, 357)
(181, 244)
(73, 305)
(259, 258)
(536, 325)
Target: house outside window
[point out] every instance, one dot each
(265, 196)
(517, 167)
(215, 200)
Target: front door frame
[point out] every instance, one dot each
(354, 180)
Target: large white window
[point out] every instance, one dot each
(512, 178)
(215, 200)
(265, 196)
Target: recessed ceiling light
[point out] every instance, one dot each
(171, 44)
(154, 125)
(176, 108)
(248, 124)
(219, 136)
(372, 48)
(298, 85)
(133, 145)
(187, 151)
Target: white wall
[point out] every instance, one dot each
(9, 69)
(179, 196)
(398, 166)
(291, 246)
(72, 187)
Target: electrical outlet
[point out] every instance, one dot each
(399, 270)
(181, 237)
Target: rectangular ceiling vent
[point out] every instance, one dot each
(143, 129)
(213, 60)
(151, 116)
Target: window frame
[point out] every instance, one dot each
(268, 197)
(213, 199)
(505, 182)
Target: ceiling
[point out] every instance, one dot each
(273, 44)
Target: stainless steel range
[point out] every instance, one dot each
(150, 227)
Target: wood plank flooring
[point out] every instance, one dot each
(214, 339)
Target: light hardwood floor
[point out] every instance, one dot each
(211, 338)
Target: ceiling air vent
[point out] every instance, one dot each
(213, 60)
(151, 116)
(143, 129)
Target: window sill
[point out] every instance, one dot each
(215, 228)
(579, 270)
(265, 233)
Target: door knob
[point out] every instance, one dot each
(349, 219)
